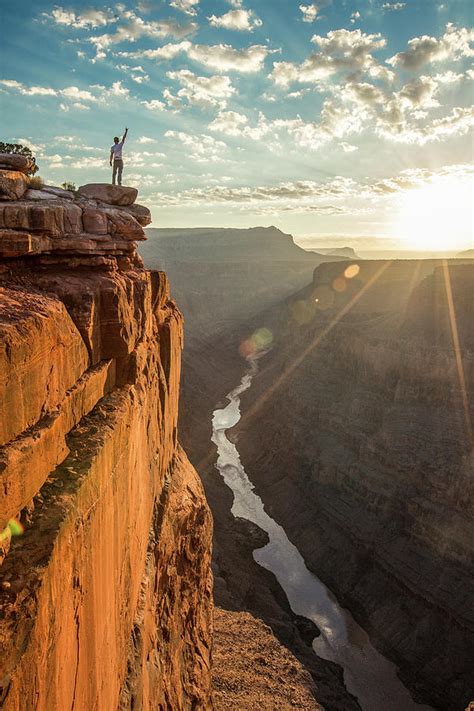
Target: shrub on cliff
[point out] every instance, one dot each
(68, 185)
(36, 182)
(22, 150)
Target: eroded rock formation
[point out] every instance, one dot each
(357, 433)
(105, 599)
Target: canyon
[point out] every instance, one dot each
(356, 436)
(118, 589)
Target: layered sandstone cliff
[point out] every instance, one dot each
(105, 599)
(358, 435)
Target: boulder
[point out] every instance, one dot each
(123, 224)
(141, 213)
(15, 161)
(111, 194)
(13, 184)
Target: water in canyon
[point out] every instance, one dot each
(368, 675)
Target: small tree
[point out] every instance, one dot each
(21, 150)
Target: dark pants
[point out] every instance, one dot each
(117, 171)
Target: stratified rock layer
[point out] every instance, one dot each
(105, 600)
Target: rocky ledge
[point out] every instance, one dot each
(89, 226)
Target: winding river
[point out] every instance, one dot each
(367, 674)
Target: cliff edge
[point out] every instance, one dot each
(105, 597)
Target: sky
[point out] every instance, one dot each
(338, 121)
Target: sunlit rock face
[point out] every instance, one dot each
(105, 597)
(357, 432)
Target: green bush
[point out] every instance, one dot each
(22, 150)
(68, 185)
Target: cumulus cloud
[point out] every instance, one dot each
(218, 57)
(310, 12)
(229, 122)
(241, 20)
(204, 92)
(201, 148)
(393, 6)
(85, 19)
(340, 50)
(452, 45)
(154, 105)
(186, 6)
(145, 139)
(135, 28)
(457, 123)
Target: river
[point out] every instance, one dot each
(368, 675)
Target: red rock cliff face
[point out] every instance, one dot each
(105, 600)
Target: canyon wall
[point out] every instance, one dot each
(105, 598)
(358, 435)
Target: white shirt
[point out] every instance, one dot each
(117, 150)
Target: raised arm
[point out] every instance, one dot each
(124, 135)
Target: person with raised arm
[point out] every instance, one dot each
(116, 158)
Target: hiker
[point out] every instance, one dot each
(116, 157)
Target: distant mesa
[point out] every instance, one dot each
(346, 252)
(467, 254)
(219, 244)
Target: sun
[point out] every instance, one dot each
(438, 216)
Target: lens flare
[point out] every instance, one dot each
(259, 341)
(13, 528)
(352, 271)
(339, 284)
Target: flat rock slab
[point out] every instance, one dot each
(111, 194)
(15, 161)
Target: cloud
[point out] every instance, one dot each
(201, 148)
(136, 27)
(459, 122)
(186, 6)
(86, 19)
(229, 122)
(341, 50)
(393, 6)
(310, 12)
(204, 92)
(145, 139)
(337, 196)
(355, 17)
(241, 20)
(452, 45)
(138, 74)
(218, 57)
(28, 90)
(154, 105)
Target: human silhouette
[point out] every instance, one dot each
(117, 159)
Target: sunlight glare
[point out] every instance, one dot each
(437, 216)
